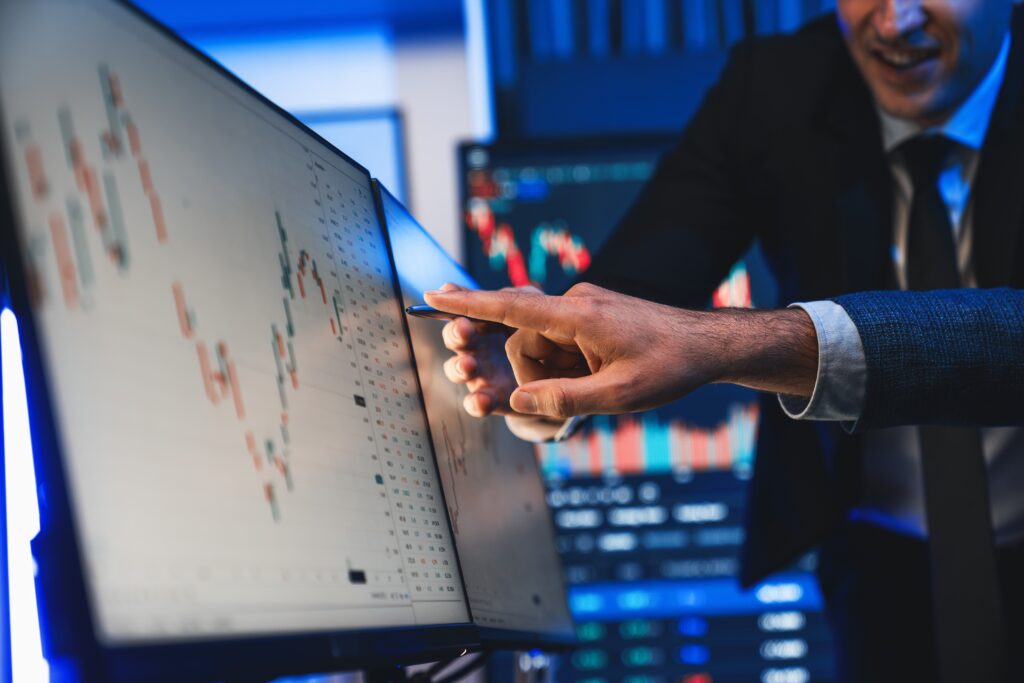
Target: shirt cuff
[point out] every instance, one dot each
(842, 368)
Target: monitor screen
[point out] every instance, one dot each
(649, 508)
(236, 409)
(373, 137)
(536, 214)
(495, 495)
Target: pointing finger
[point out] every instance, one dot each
(518, 308)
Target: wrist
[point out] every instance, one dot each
(775, 350)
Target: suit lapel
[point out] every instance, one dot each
(999, 184)
(863, 183)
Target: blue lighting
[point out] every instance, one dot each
(692, 597)
(27, 662)
(694, 655)
(190, 16)
(532, 190)
(694, 627)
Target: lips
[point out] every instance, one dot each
(905, 58)
(905, 68)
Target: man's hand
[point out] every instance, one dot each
(480, 363)
(595, 351)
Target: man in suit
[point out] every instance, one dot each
(882, 148)
(939, 357)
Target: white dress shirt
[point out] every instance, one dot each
(893, 486)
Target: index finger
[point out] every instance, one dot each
(516, 308)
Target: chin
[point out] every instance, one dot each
(923, 107)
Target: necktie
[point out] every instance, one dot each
(965, 588)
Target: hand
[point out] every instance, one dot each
(479, 362)
(596, 351)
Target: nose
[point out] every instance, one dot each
(896, 18)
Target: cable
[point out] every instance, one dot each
(427, 674)
(464, 671)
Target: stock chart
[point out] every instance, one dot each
(649, 508)
(492, 484)
(234, 395)
(540, 223)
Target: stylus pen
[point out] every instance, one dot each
(425, 311)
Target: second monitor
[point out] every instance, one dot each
(492, 485)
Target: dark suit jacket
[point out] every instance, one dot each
(951, 357)
(787, 148)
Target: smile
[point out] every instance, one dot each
(905, 58)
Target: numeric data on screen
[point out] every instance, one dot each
(237, 412)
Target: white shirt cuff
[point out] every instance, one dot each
(842, 369)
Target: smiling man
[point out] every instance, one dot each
(879, 148)
(922, 59)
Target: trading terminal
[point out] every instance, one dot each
(231, 455)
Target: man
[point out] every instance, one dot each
(884, 150)
(941, 357)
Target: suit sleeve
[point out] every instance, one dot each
(953, 357)
(689, 224)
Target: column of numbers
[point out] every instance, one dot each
(381, 351)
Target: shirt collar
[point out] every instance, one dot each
(969, 122)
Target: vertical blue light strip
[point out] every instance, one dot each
(27, 662)
(765, 15)
(696, 37)
(478, 58)
(599, 28)
(504, 42)
(632, 27)
(791, 15)
(656, 27)
(563, 25)
(5, 613)
(733, 24)
(538, 13)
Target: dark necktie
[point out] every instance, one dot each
(965, 589)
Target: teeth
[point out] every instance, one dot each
(903, 58)
(900, 59)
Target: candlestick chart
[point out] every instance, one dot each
(491, 481)
(652, 444)
(547, 241)
(102, 197)
(231, 381)
(537, 221)
(650, 504)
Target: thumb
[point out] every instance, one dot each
(567, 397)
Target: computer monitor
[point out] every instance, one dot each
(649, 508)
(373, 137)
(236, 468)
(536, 213)
(495, 495)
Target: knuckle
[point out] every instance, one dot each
(448, 335)
(560, 403)
(514, 344)
(517, 301)
(583, 289)
(450, 370)
(587, 310)
(463, 328)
